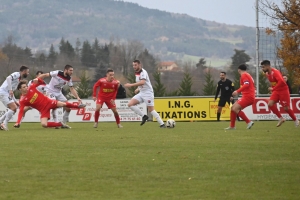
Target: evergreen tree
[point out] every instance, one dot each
(78, 48)
(69, 51)
(131, 79)
(87, 55)
(263, 84)
(159, 88)
(84, 88)
(52, 56)
(210, 86)
(42, 60)
(239, 57)
(100, 72)
(185, 88)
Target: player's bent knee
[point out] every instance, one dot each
(44, 125)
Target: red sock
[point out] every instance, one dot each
(117, 117)
(70, 105)
(291, 114)
(97, 114)
(232, 118)
(243, 116)
(53, 124)
(275, 111)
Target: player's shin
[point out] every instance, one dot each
(53, 124)
(292, 114)
(157, 117)
(54, 115)
(275, 111)
(66, 116)
(243, 116)
(232, 118)
(96, 116)
(3, 118)
(136, 110)
(9, 115)
(117, 117)
(70, 105)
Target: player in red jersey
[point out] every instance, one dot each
(280, 93)
(35, 99)
(107, 94)
(248, 96)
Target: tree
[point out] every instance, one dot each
(263, 84)
(210, 85)
(131, 79)
(87, 55)
(159, 88)
(287, 19)
(201, 64)
(185, 88)
(84, 88)
(238, 58)
(100, 72)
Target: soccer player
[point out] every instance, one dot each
(58, 80)
(227, 87)
(280, 93)
(144, 93)
(35, 99)
(107, 94)
(7, 94)
(248, 96)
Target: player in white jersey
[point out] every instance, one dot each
(144, 93)
(7, 94)
(58, 80)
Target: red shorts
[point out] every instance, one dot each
(283, 97)
(107, 102)
(245, 101)
(45, 112)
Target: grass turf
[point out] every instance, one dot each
(195, 160)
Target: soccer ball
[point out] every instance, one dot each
(170, 123)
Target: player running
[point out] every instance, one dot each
(107, 94)
(7, 95)
(58, 80)
(248, 96)
(144, 93)
(280, 93)
(35, 99)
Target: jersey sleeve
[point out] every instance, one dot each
(21, 111)
(53, 73)
(96, 85)
(245, 83)
(280, 82)
(15, 76)
(143, 75)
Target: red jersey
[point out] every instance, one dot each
(247, 85)
(108, 89)
(276, 80)
(34, 99)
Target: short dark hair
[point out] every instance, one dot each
(68, 67)
(109, 70)
(39, 72)
(137, 61)
(223, 73)
(265, 62)
(242, 67)
(22, 82)
(23, 68)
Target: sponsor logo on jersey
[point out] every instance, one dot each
(33, 98)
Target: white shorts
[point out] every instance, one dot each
(57, 96)
(147, 98)
(5, 98)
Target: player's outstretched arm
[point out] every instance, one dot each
(128, 85)
(74, 92)
(43, 76)
(20, 115)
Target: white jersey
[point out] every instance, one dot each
(40, 88)
(58, 81)
(15, 79)
(147, 87)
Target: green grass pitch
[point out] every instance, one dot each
(195, 160)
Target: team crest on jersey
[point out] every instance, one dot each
(149, 101)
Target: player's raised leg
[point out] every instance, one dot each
(132, 105)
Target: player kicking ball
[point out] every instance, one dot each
(107, 94)
(248, 96)
(35, 99)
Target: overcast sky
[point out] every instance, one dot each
(240, 12)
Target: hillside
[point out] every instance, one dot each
(39, 23)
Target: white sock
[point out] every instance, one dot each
(66, 116)
(136, 110)
(9, 115)
(54, 115)
(3, 118)
(157, 117)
